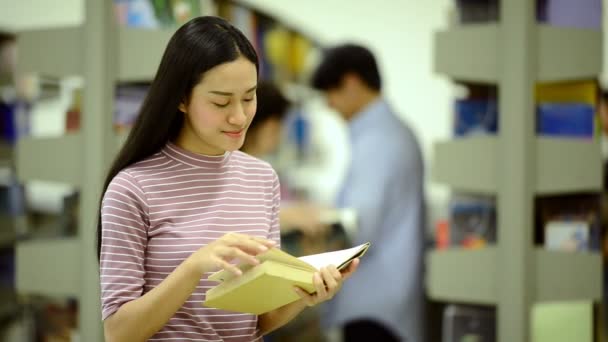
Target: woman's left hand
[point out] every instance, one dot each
(328, 282)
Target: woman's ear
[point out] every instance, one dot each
(182, 107)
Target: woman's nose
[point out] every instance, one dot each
(238, 117)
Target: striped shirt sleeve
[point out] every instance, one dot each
(124, 222)
(275, 231)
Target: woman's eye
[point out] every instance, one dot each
(248, 100)
(221, 105)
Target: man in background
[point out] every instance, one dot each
(384, 300)
(263, 138)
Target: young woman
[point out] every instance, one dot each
(181, 201)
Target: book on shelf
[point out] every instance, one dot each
(270, 284)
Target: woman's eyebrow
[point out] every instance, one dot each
(223, 93)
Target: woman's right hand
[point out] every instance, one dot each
(229, 247)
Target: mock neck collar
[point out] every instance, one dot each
(195, 159)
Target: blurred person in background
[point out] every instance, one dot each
(384, 184)
(263, 138)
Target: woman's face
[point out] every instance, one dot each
(220, 109)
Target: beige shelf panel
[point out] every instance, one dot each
(563, 276)
(470, 275)
(466, 164)
(57, 159)
(472, 53)
(48, 267)
(140, 52)
(58, 52)
(563, 165)
(51, 52)
(462, 275)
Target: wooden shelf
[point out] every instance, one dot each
(471, 275)
(48, 267)
(466, 164)
(472, 52)
(462, 275)
(568, 53)
(57, 52)
(57, 159)
(563, 276)
(563, 165)
(468, 53)
(51, 52)
(140, 52)
(567, 165)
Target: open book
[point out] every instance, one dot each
(269, 285)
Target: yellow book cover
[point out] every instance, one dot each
(270, 284)
(567, 92)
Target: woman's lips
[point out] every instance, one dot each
(234, 134)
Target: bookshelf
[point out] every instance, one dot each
(105, 55)
(516, 166)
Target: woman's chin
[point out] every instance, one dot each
(235, 146)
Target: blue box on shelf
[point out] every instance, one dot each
(472, 221)
(565, 120)
(585, 14)
(475, 117)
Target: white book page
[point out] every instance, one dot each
(332, 258)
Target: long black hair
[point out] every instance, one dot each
(197, 46)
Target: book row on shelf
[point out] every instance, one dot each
(580, 14)
(284, 53)
(564, 110)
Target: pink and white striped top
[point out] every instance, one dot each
(162, 209)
